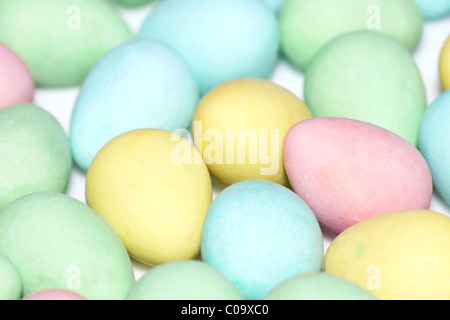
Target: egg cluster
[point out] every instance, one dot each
(200, 169)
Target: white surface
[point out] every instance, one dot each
(60, 102)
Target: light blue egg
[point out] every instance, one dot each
(434, 9)
(434, 143)
(220, 39)
(258, 234)
(141, 84)
(275, 5)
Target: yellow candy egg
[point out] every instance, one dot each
(402, 255)
(444, 66)
(154, 189)
(240, 125)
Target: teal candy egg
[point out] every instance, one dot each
(434, 9)
(141, 84)
(275, 5)
(258, 234)
(10, 280)
(184, 280)
(434, 143)
(220, 39)
(57, 242)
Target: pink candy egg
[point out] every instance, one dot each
(348, 171)
(16, 82)
(54, 295)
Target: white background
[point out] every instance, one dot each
(60, 102)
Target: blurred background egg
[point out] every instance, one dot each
(434, 9)
(54, 295)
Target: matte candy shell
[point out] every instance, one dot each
(16, 83)
(52, 295)
(258, 234)
(240, 127)
(184, 280)
(444, 65)
(434, 143)
(348, 171)
(10, 280)
(34, 153)
(133, 3)
(57, 242)
(396, 256)
(434, 9)
(154, 189)
(371, 77)
(318, 286)
(67, 39)
(219, 39)
(141, 84)
(308, 25)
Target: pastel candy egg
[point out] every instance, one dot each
(275, 5)
(67, 39)
(444, 65)
(184, 280)
(390, 91)
(34, 153)
(348, 171)
(306, 26)
(396, 256)
(219, 39)
(16, 83)
(258, 234)
(158, 199)
(240, 126)
(53, 295)
(434, 9)
(434, 143)
(141, 84)
(133, 3)
(10, 280)
(57, 242)
(318, 286)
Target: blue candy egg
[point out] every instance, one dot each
(141, 84)
(258, 234)
(275, 5)
(220, 39)
(434, 9)
(434, 143)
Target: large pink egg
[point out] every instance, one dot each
(54, 295)
(16, 82)
(348, 171)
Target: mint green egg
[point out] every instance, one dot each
(371, 77)
(34, 153)
(307, 25)
(318, 286)
(60, 40)
(57, 242)
(184, 280)
(10, 280)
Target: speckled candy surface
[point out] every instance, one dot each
(65, 41)
(57, 242)
(10, 280)
(184, 280)
(434, 143)
(444, 65)
(34, 153)
(219, 39)
(258, 234)
(434, 9)
(318, 286)
(307, 25)
(389, 90)
(16, 82)
(54, 295)
(141, 84)
(348, 171)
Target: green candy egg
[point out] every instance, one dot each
(10, 280)
(371, 77)
(184, 280)
(34, 153)
(318, 286)
(307, 25)
(57, 242)
(60, 40)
